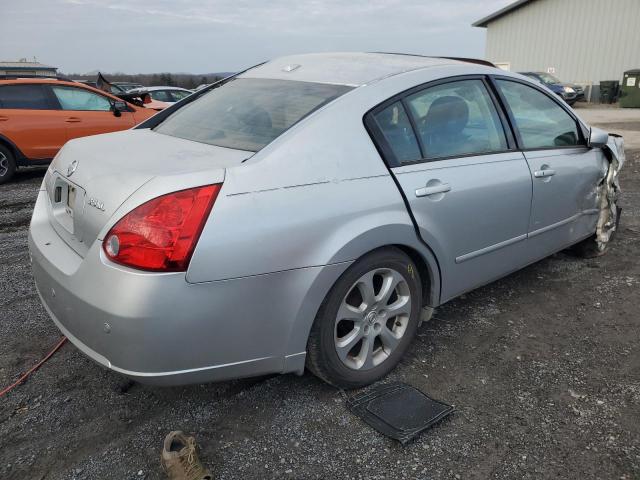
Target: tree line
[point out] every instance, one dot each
(184, 80)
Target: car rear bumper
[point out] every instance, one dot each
(160, 329)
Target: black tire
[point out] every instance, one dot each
(7, 164)
(322, 357)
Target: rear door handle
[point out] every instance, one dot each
(73, 120)
(426, 191)
(3, 118)
(544, 173)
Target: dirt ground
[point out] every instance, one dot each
(542, 367)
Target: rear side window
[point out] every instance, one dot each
(161, 95)
(455, 119)
(28, 97)
(541, 122)
(396, 129)
(248, 113)
(179, 95)
(71, 98)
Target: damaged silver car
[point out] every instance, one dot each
(309, 212)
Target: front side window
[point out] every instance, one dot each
(248, 113)
(72, 98)
(455, 119)
(396, 129)
(29, 97)
(541, 122)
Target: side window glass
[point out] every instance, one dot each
(542, 123)
(457, 118)
(78, 99)
(179, 95)
(28, 97)
(161, 95)
(396, 128)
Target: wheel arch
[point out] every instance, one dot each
(420, 254)
(17, 154)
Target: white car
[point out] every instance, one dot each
(162, 97)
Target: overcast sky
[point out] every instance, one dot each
(201, 36)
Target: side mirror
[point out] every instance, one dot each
(146, 98)
(597, 138)
(119, 106)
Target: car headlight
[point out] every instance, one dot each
(569, 90)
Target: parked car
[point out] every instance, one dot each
(570, 92)
(307, 212)
(162, 97)
(38, 116)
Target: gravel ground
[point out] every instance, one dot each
(542, 366)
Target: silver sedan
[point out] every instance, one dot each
(310, 211)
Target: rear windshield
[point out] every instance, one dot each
(248, 113)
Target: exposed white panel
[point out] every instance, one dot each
(583, 40)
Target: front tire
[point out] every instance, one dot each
(367, 321)
(7, 164)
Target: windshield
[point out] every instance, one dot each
(548, 78)
(248, 113)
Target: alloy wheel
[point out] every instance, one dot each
(4, 164)
(372, 319)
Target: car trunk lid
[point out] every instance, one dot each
(92, 177)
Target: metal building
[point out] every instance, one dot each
(579, 41)
(23, 67)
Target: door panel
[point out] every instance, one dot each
(565, 172)
(38, 134)
(89, 113)
(474, 213)
(82, 124)
(564, 208)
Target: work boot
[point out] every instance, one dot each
(180, 459)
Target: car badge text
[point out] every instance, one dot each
(94, 202)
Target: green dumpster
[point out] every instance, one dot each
(630, 89)
(608, 91)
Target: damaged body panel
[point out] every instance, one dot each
(609, 191)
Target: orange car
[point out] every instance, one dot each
(37, 117)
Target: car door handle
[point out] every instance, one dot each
(544, 173)
(426, 191)
(3, 119)
(73, 120)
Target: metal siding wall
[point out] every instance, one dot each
(584, 40)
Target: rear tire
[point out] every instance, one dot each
(367, 321)
(7, 164)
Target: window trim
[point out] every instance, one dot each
(55, 97)
(385, 150)
(553, 97)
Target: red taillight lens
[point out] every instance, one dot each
(160, 235)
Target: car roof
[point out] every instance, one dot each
(343, 68)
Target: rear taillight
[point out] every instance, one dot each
(160, 235)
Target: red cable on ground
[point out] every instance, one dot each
(33, 369)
